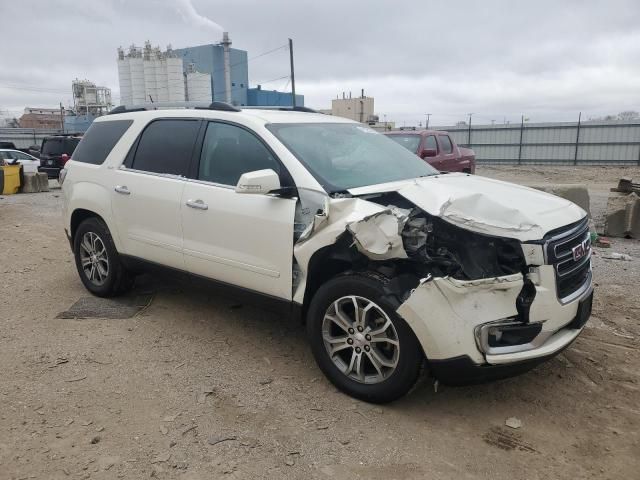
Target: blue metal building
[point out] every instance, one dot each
(264, 98)
(210, 59)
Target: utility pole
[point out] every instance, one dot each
(61, 117)
(293, 77)
(469, 135)
(520, 147)
(426, 124)
(575, 158)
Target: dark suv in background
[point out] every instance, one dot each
(55, 151)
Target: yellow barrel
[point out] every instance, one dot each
(11, 174)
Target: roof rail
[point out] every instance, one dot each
(277, 107)
(222, 106)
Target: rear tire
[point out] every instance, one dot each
(97, 260)
(372, 355)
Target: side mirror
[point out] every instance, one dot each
(428, 152)
(258, 181)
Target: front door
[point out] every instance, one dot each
(147, 192)
(242, 239)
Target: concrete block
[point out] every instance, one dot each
(623, 215)
(31, 183)
(44, 182)
(576, 193)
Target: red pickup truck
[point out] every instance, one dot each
(436, 148)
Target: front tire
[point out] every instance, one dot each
(359, 341)
(97, 260)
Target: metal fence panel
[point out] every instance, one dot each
(566, 143)
(25, 137)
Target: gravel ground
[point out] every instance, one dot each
(199, 386)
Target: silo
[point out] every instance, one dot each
(175, 79)
(124, 79)
(150, 87)
(137, 80)
(199, 87)
(161, 79)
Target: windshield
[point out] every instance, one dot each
(346, 155)
(410, 142)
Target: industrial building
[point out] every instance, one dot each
(360, 109)
(227, 85)
(149, 75)
(89, 102)
(262, 98)
(41, 118)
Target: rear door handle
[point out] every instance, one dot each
(122, 189)
(198, 204)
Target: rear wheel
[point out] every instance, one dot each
(97, 260)
(359, 341)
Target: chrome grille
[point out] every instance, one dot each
(569, 250)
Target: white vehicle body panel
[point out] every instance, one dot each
(247, 240)
(241, 239)
(485, 205)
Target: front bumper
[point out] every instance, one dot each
(445, 314)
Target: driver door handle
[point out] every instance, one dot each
(122, 189)
(197, 204)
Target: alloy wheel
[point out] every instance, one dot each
(94, 259)
(360, 339)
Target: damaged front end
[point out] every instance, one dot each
(460, 277)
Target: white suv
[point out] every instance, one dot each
(392, 265)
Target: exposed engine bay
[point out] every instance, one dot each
(434, 246)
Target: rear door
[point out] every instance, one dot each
(147, 190)
(447, 156)
(242, 239)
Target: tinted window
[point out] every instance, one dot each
(446, 144)
(430, 142)
(410, 142)
(21, 156)
(165, 146)
(229, 151)
(99, 140)
(70, 145)
(52, 146)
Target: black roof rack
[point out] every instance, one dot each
(285, 109)
(221, 106)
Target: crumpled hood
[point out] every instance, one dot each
(485, 205)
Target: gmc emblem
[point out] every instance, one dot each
(581, 249)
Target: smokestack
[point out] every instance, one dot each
(226, 43)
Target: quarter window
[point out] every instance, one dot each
(166, 146)
(446, 144)
(99, 140)
(229, 151)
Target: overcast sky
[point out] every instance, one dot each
(545, 59)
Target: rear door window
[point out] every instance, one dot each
(165, 146)
(99, 140)
(447, 147)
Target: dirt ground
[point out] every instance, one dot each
(199, 386)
